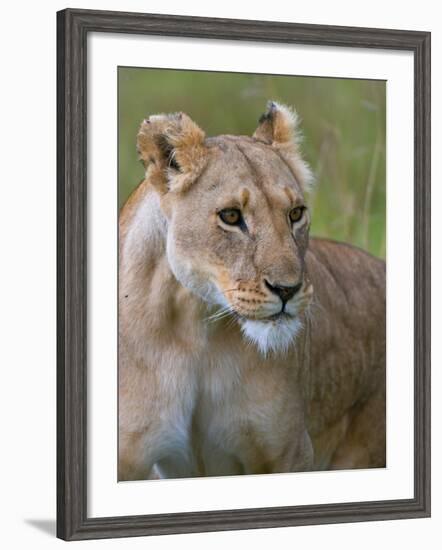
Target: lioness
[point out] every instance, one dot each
(243, 347)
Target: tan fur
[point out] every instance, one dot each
(195, 397)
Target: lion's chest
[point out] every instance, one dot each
(218, 418)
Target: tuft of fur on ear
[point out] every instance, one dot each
(279, 127)
(172, 150)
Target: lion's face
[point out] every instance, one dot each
(238, 230)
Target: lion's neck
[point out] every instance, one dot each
(143, 228)
(156, 307)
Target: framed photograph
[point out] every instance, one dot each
(243, 274)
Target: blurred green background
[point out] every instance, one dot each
(343, 123)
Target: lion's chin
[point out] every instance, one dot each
(275, 335)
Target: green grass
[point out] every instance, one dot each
(343, 123)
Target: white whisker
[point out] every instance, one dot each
(223, 312)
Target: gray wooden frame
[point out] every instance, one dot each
(73, 27)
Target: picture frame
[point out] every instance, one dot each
(73, 28)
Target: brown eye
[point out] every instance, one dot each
(296, 214)
(230, 216)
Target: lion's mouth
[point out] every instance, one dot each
(280, 316)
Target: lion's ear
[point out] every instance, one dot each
(279, 127)
(172, 150)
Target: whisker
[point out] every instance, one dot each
(223, 312)
(218, 312)
(219, 317)
(230, 322)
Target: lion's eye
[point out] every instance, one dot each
(230, 216)
(296, 214)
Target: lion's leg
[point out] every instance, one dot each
(364, 443)
(283, 444)
(133, 461)
(298, 456)
(272, 436)
(295, 454)
(155, 414)
(161, 445)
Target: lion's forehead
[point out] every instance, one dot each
(238, 165)
(250, 159)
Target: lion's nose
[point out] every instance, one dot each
(286, 293)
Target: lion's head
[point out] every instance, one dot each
(238, 222)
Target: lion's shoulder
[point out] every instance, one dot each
(345, 263)
(349, 284)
